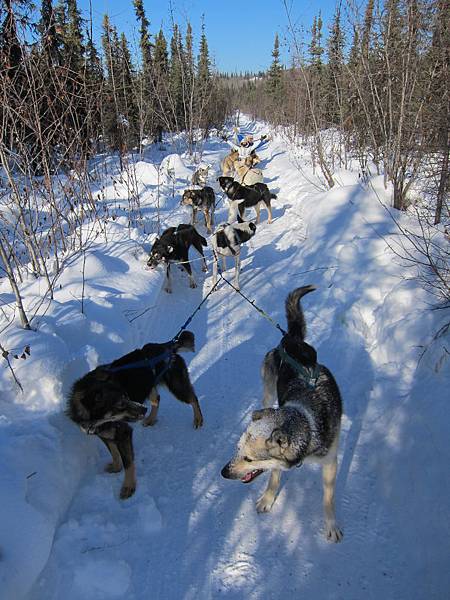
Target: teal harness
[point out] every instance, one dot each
(307, 374)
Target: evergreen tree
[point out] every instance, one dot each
(47, 30)
(203, 66)
(73, 38)
(176, 79)
(315, 46)
(113, 127)
(367, 29)
(161, 77)
(274, 82)
(127, 99)
(203, 82)
(334, 73)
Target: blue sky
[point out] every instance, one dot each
(240, 32)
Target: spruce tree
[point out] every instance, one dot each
(334, 73)
(161, 77)
(176, 79)
(203, 66)
(274, 82)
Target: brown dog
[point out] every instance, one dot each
(228, 163)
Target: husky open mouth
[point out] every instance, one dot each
(251, 475)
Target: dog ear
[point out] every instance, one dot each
(252, 226)
(279, 438)
(257, 415)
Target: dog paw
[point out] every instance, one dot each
(168, 290)
(205, 269)
(127, 491)
(112, 468)
(333, 534)
(149, 422)
(198, 422)
(265, 503)
(193, 285)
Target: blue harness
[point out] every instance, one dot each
(148, 363)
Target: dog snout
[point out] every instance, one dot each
(226, 471)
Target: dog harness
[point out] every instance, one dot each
(307, 374)
(148, 363)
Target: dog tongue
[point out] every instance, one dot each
(251, 475)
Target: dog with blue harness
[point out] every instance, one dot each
(104, 401)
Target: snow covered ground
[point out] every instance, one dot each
(187, 533)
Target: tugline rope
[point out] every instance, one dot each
(251, 302)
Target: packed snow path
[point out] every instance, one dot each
(188, 534)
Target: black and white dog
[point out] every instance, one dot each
(173, 247)
(243, 196)
(227, 241)
(105, 400)
(203, 200)
(304, 426)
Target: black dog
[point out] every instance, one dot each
(203, 200)
(104, 400)
(242, 197)
(173, 246)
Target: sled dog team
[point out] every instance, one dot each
(302, 406)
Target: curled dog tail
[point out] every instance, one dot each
(294, 313)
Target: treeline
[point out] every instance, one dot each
(63, 99)
(377, 81)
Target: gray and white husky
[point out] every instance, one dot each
(305, 425)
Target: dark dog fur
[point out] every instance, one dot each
(242, 197)
(104, 400)
(173, 246)
(203, 200)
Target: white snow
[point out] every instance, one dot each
(187, 533)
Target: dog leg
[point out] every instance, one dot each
(198, 417)
(168, 287)
(215, 269)
(224, 262)
(266, 501)
(125, 447)
(194, 215)
(332, 531)
(116, 465)
(269, 210)
(237, 268)
(258, 213)
(179, 384)
(186, 265)
(154, 401)
(207, 221)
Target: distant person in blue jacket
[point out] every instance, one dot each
(246, 144)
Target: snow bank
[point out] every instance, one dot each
(44, 456)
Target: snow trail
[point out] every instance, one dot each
(187, 534)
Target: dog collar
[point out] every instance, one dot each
(307, 374)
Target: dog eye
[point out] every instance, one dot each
(247, 459)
